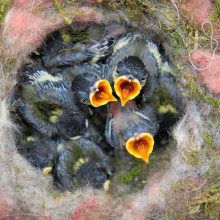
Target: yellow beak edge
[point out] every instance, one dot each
(102, 95)
(127, 89)
(140, 146)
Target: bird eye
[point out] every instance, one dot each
(130, 77)
(93, 89)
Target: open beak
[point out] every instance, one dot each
(140, 146)
(101, 93)
(127, 89)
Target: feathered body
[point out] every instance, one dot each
(66, 97)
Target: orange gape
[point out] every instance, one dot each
(127, 89)
(141, 146)
(102, 95)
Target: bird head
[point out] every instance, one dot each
(131, 128)
(89, 89)
(129, 77)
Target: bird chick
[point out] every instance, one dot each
(44, 102)
(81, 162)
(52, 120)
(39, 150)
(128, 77)
(90, 89)
(131, 65)
(70, 47)
(131, 128)
(167, 102)
(37, 84)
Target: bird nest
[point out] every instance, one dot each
(181, 177)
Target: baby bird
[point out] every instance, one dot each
(39, 150)
(81, 162)
(37, 84)
(70, 47)
(52, 120)
(131, 65)
(167, 102)
(129, 78)
(44, 102)
(131, 128)
(89, 88)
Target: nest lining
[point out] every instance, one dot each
(34, 187)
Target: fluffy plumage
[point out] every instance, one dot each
(37, 149)
(128, 124)
(132, 65)
(70, 46)
(37, 83)
(81, 162)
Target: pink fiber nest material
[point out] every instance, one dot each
(197, 12)
(210, 66)
(24, 31)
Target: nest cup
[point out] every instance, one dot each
(27, 193)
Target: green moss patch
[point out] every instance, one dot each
(4, 5)
(197, 93)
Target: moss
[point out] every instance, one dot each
(213, 102)
(4, 5)
(138, 11)
(207, 201)
(216, 12)
(141, 184)
(197, 93)
(67, 9)
(193, 159)
(208, 139)
(62, 12)
(133, 9)
(193, 154)
(17, 168)
(7, 64)
(179, 39)
(21, 187)
(197, 197)
(129, 176)
(167, 15)
(57, 195)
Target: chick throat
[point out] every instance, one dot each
(101, 93)
(127, 89)
(140, 146)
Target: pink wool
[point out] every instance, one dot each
(26, 28)
(30, 4)
(211, 75)
(196, 12)
(95, 1)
